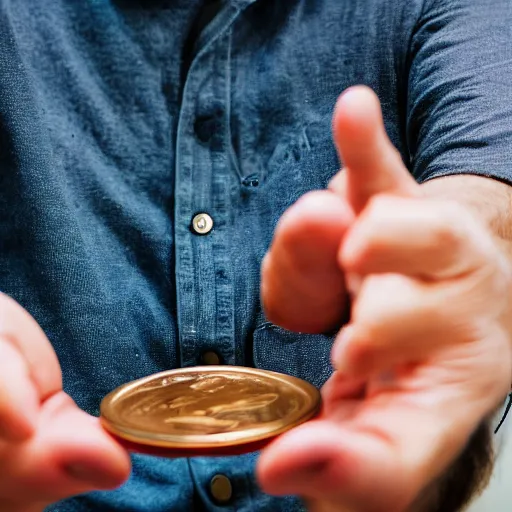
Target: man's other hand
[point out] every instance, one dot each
(424, 358)
(49, 448)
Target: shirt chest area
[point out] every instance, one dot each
(172, 161)
(138, 94)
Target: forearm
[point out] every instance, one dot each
(490, 200)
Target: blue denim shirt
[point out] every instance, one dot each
(116, 128)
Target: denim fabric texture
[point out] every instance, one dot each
(116, 128)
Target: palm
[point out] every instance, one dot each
(371, 433)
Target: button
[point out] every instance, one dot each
(205, 127)
(251, 181)
(211, 358)
(202, 223)
(221, 488)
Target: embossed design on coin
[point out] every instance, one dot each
(208, 404)
(205, 406)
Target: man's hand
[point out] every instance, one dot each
(49, 449)
(425, 356)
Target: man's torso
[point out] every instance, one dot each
(115, 130)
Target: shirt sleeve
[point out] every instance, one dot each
(459, 107)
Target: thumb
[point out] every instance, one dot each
(372, 163)
(364, 466)
(80, 447)
(70, 454)
(327, 462)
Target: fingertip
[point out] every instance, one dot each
(264, 274)
(296, 462)
(269, 298)
(80, 447)
(20, 329)
(302, 287)
(120, 465)
(310, 232)
(107, 466)
(356, 97)
(355, 112)
(112, 479)
(317, 214)
(109, 456)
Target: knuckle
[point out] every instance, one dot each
(370, 254)
(452, 226)
(447, 235)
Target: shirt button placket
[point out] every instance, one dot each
(203, 193)
(204, 275)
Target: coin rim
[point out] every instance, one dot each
(134, 435)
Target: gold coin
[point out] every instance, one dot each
(207, 408)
